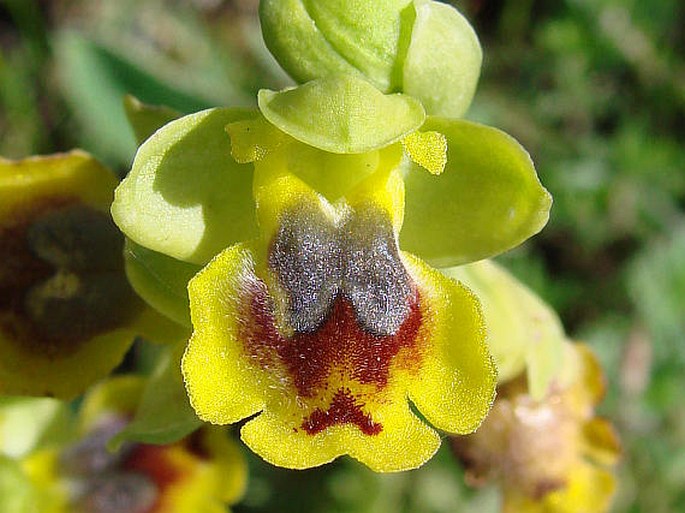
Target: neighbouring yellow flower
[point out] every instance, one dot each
(327, 329)
(201, 473)
(67, 312)
(551, 455)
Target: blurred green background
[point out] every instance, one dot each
(594, 89)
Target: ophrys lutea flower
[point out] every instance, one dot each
(307, 312)
(542, 441)
(551, 455)
(201, 473)
(67, 312)
(327, 329)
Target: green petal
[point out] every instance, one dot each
(164, 414)
(443, 61)
(162, 281)
(312, 39)
(487, 200)
(186, 196)
(524, 334)
(341, 114)
(146, 119)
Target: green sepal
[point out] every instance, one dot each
(487, 200)
(146, 119)
(164, 414)
(341, 114)
(186, 196)
(311, 39)
(443, 60)
(524, 333)
(161, 280)
(422, 48)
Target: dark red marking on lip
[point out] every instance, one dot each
(340, 342)
(344, 409)
(21, 267)
(36, 313)
(154, 462)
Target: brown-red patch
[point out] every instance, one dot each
(340, 343)
(56, 331)
(154, 462)
(344, 409)
(21, 268)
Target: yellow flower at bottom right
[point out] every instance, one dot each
(553, 455)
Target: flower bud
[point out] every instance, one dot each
(422, 48)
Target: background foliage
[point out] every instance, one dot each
(595, 89)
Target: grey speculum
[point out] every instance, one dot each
(316, 261)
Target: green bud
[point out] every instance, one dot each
(422, 48)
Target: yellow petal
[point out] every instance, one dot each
(602, 443)
(74, 175)
(63, 366)
(427, 149)
(253, 139)
(457, 383)
(25, 372)
(219, 378)
(403, 444)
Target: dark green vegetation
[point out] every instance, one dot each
(595, 89)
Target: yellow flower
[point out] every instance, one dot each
(553, 455)
(327, 329)
(67, 312)
(201, 473)
(65, 305)
(304, 309)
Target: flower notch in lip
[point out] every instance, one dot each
(327, 329)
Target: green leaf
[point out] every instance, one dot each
(341, 114)
(443, 61)
(161, 280)
(164, 414)
(185, 196)
(487, 200)
(524, 333)
(312, 39)
(95, 78)
(145, 119)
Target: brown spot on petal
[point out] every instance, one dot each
(344, 409)
(62, 280)
(339, 343)
(153, 461)
(20, 266)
